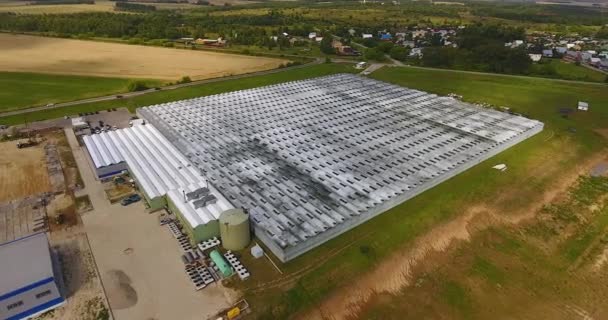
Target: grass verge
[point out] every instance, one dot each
(183, 93)
(534, 166)
(23, 90)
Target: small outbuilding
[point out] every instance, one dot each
(79, 123)
(583, 106)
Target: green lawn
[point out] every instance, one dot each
(184, 93)
(533, 166)
(22, 90)
(569, 71)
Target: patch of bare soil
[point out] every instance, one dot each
(120, 292)
(394, 273)
(603, 132)
(81, 285)
(22, 171)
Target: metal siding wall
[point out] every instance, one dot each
(29, 300)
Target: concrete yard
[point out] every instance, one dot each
(139, 261)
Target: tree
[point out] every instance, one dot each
(399, 53)
(602, 33)
(369, 42)
(137, 85)
(385, 46)
(326, 45)
(184, 79)
(374, 54)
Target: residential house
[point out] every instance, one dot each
(386, 37)
(535, 57)
(419, 33)
(409, 44)
(416, 52)
(548, 53)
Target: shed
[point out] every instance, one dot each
(535, 57)
(79, 123)
(583, 106)
(219, 261)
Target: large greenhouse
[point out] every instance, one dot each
(312, 159)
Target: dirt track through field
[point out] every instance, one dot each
(394, 273)
(21, 53)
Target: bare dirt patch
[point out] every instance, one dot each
(22, 53)
(23, 172)
(120, 292)
(85, 299)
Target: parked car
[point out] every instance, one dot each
(130, 199)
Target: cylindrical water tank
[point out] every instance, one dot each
(234, 229)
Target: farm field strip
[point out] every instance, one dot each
(21, 53)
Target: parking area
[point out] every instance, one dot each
(139, 260)
(114, 118)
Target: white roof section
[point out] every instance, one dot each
(203, 215)
(157, 165)
(101, 153)
(24, 261)
(78, 122)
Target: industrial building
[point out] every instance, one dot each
(28, 278)
(164, 176)
(309, 160)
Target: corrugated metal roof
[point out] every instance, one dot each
(24, 261)
(158, 166)
(198, 216)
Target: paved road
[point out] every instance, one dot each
(165, 88)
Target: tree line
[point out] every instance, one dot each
(481, 47)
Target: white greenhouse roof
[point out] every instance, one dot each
(310, 159)
(156, 164)
(202, 215)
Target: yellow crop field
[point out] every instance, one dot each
(21, 53)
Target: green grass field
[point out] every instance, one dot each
(179, 94)
(534, 165)
(22, 90)
(570, 71)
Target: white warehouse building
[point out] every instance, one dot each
(164, 176)
(28, 278)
